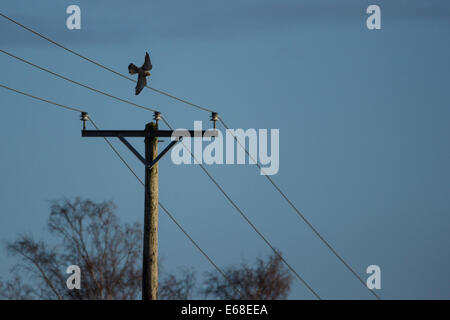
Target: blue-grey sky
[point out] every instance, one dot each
(363, 118)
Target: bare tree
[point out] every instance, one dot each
(178, 287)
(91, 237)
(109, 255)
(15, 289)
(267, 280)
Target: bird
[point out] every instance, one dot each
(143, 73)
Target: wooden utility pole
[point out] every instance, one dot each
(150, 254)
(150, 161)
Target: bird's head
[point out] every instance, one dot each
(147, 73)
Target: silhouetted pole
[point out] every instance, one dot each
(150, 254)
(151, 134)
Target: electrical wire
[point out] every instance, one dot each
(244, 216)
(309, 224)
(223, 123)
(101, 65)
(76, 82)
(41, 99)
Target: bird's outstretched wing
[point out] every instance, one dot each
(132, 69)
(147, 64)
(141, 83)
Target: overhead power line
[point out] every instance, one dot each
(76, 82)
(136, 176)
(309, 224)
(244, 216)
(328, 245)
(167, 123)
(101, 65)
(41, 99)
(168, 213)
(203, 168)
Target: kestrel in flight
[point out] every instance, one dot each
(142, 72)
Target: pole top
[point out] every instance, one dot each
(151, 126)
(84, 117)
(214, 118)
(157, 116)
